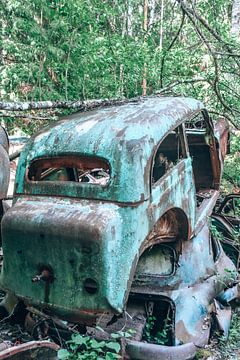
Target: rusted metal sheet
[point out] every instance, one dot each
(142, 351)
(230, 294)
(193, 286)
(221, 128)
(40, 350)
(223, 316)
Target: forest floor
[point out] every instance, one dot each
(13, 333)
(221, 348)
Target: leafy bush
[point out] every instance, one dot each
(85, 347)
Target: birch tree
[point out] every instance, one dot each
(235, 24)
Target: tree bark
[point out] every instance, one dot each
(80, 105)
(145, 28)
(235, 28)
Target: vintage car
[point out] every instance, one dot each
(4, 169)
(110, 220)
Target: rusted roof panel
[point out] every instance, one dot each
(124, 135)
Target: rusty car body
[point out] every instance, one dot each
(110, 210)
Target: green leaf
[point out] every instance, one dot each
(113, 346)
(79, 339)
(63, 354)
(96, 344)
(111, 356)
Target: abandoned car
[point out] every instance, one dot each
(109, 223)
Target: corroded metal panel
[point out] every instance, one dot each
(192, 288)
(92, 239)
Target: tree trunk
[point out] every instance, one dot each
(145, 28)
(161, 26)
(235, 28)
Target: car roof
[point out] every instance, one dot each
(126, 136)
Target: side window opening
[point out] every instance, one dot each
(84, 169)
(201, 145)
(170, 152)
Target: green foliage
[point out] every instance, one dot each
(203, 354)
(85, 347)
(227, 348)
(232, 343)
(217, 234)
(65, 49)
(232, 165)
(230, 248)
(161, 336)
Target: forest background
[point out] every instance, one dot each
(86, 49)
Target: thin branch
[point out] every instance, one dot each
(169, 48)
(227, 54)
(205, 24)
(179, 82)
(226, 116)
(215, 62)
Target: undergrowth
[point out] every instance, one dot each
(84, 347)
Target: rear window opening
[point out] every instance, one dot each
(83, 169)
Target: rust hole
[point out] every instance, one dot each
(91, 286)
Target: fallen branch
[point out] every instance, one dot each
(80, 105)
(226, 116)
(27, 116)
(15, 155)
